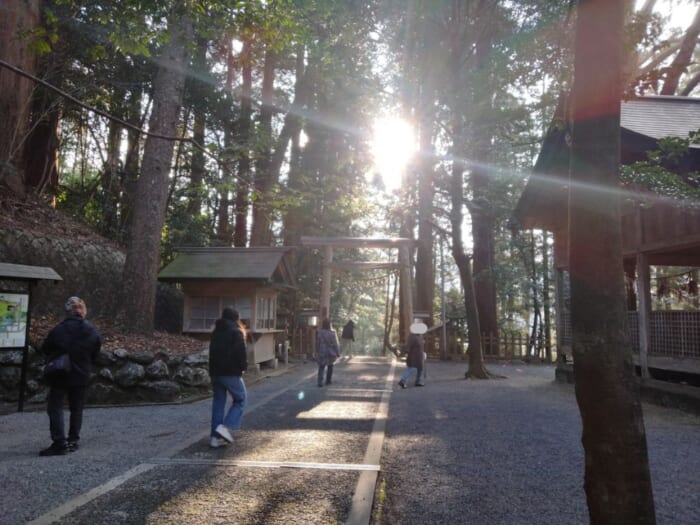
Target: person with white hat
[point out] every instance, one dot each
(415, 360)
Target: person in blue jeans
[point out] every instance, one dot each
(415, 360)
(327, 351)
(227, 362)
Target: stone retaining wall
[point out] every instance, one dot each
(89, 269)
(119, 377)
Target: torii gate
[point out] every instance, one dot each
(403, 265)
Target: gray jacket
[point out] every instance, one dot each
(327, 348)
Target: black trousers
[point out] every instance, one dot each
(76, 403)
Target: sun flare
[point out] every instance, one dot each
(393, 145)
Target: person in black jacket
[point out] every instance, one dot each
(348, 337)
(227, 362)
(82, 342)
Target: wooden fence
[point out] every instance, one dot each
(512, 345)
(508, 345)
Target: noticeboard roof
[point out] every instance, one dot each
(25, 272)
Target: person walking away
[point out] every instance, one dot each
(327, 350)
(348, 337)
(415, 360)
(79, 339)
(228, 360)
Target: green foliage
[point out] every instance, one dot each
(360, 59)
(78, 197)
(183, 229)
(659, 173)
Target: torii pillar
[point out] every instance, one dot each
(404, 266)
(326, 284)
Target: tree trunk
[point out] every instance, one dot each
(224, 228)
(425, 275)
(143, 254)
(41, 144)
(295, 180)
(483, 227)
(261, 233)
(110, 176)
(240, 231)
(617, 480)
(389, 312)
(482, 213)
(196, 190)
(18, 19)
(131, 164)
(476, 369)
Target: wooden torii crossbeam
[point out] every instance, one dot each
(403, 265)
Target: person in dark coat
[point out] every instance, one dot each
(327, 351)
(415, 360)
(76, 337)
(228, 360)
(348, 337)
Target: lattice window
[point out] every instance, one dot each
(265, 314)
(204, 311)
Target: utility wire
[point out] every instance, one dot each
(124, 123)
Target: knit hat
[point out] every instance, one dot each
(71, 301)
(230, 314)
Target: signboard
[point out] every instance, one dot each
(14, 308)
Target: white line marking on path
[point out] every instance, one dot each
(72, 504)
(360, 511)
(265, 464)
(362, 499)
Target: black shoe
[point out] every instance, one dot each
(420, 384)
(320, 384)
(328, 382)
(54, 450)
(402, 384)
(72, 446)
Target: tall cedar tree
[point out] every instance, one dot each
(143, 255)
(617, 480)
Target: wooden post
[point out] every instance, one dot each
(644, 295)
(324, 313)
(559, 311)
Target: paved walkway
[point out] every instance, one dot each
(456, 451)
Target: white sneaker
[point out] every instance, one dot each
(217, 442)
(224, 433)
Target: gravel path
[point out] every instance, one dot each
(504, 451)
(508, 452)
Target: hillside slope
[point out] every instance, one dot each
(34, 215)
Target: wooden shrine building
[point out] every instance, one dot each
(655, 231)
(247, 279)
